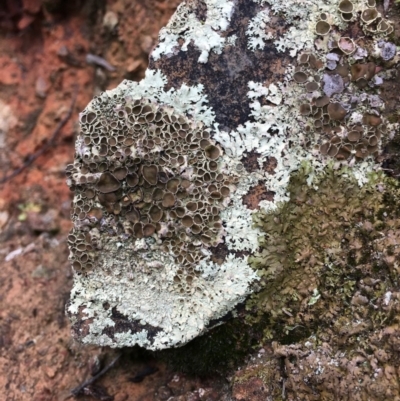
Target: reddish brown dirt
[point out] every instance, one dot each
(43, 48)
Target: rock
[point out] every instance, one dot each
(41, 87)
(169, 177)
(146, 43)
(42, 272)
(110, 20)
(50, 372)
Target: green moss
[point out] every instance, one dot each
(318, 252)
(330, 266)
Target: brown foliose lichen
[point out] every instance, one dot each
(147, 171)
(341, 83)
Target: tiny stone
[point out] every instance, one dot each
(110, 20)
(192, 397)
(63, 51)
(50, 372)
(42, 272)
(146, 43)
(41, 87)
(3, 218)
(47, 222)
(163, 393)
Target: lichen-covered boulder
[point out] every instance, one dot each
(151, 189)
(177, 178)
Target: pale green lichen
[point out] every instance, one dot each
(256, 31)
(164, 285)
(240, 233)
(189, 100)
(149, 296)
(206, 36)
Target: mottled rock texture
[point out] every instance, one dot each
(247, 166)
(226, 76)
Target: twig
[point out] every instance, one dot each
(77, 390)
(32, 157)
(100, 61)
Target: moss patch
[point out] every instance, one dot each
(329, 267)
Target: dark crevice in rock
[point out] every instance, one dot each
(269, 165)
(219, 253)
(123, 324)
(215, 322)
(201, 10)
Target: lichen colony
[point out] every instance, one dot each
(159, 181)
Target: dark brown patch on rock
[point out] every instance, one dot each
(226, 76)
(250, 161)
(80, 329)
(201, 10)
(257, 194)
(219, 253)
(269, 165)
(393, 15)
(124, 324)
(389, 93)
(241, 254)
(353, 30)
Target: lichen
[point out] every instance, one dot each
(149, 186)
(206, 36)
(256, 31)
(149, 160)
